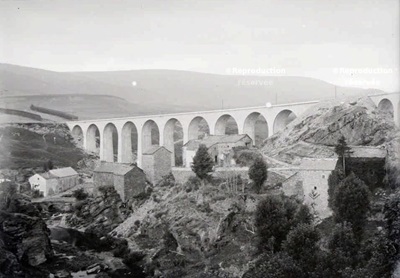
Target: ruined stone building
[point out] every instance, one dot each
(220, 147)
(54, 181)
(127, 179)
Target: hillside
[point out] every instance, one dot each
(153, 91)
(31, 145)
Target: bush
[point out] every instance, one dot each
(258, 173)
(278, 265)
(106, 190)
(36, 193)
(80, 194)
(167, 181)
(193, 183)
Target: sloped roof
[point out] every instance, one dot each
(63, 172)
(325, 164)
(211, 140)
(115, 168)
(368, 152)
(153, 149)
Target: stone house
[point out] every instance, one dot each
(156, 163)
(220, 147)
(127, 179)
(54, 181)
(309, 183)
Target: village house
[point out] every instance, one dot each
(309, 183)
(54, 181)
(127, 179)
(220, 147)
(156, 163)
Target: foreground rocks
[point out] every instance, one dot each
(24, 236)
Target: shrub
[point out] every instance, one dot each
(167, 181)
(258, 173)
(80, 194)
(36, 193)
(106, 190)
(278, 265)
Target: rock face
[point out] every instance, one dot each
(24, 237)
(359, 121)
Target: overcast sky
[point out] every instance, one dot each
(317, 38)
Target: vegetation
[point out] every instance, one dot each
(351, 202)
(48, 165)
(334, 179)
(275, 216)
(342, 150)
(80, 194)
(258, 173)
(202, 163)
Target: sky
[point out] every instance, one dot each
(351, 43)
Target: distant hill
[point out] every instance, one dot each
(103, 94)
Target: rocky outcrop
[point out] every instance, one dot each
(24, 237)
(99, 214)
(359, 121)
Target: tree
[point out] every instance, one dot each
(343, 249)
(202, 164)
(48, 165)
(342, 150)
(275, 216)
(391, 212)
(258, 173)
(334, 179)
(278, 265)
(301, 245)
(351, 202)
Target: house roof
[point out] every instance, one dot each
(58, 173)
(323, 164)
(115, 168)
(154, 148)
(368, 152)
(63, 172)
(211, 140)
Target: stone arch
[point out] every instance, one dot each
(129, 143)
(226, 124)
(256, 126)
(77, 134)
(150, 134)
(93, 139)
(110, 143)
(387, 107)
(173, 140)
(283, 119)
(198, 127)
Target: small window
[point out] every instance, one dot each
(323, 176)
(315, 188)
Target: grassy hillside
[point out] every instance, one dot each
(31, 145)
(152, 91)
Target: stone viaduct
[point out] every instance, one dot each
(116, 139)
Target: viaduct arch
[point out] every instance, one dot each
(121, 138)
